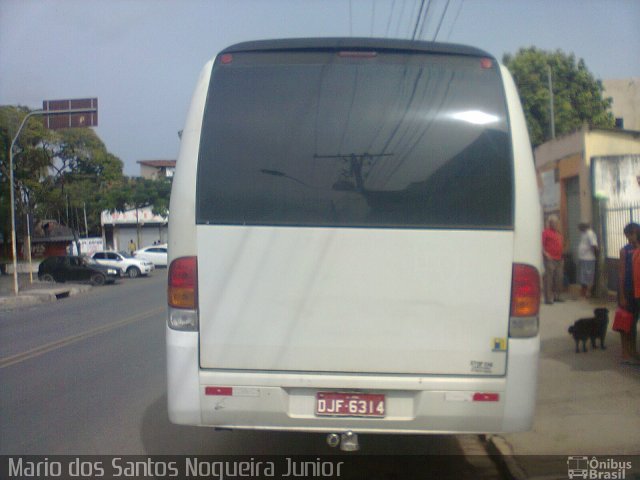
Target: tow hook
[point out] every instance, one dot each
(348, 441)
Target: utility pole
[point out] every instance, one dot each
(551, 108)
(29, 247)
(137, 228)
(86, 227)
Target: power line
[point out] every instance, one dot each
(404, 3)
(414, 8)
(373, 16)
(415, 30)
(441, 19)
(425, 130)
(455, 19)
(353, 100)
(393, 7)
(425, 19)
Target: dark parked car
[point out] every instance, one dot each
(76, 269)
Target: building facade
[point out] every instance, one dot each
(157, 169)
(626, 101)
(141, 225)
(569, 188)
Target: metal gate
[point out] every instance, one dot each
(614, 219)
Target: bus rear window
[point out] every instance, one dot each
(389, 141)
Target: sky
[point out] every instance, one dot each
(141, 58)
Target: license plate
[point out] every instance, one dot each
(335, 404)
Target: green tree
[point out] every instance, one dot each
(65, 175)
(578, 96)
(83, 176)
(138, 192)
(58, 174)
(143, 192)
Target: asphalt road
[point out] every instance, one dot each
(86, 376)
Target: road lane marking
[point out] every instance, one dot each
(41, 350)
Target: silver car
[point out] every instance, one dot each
(127, 265)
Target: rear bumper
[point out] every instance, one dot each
(286, 401)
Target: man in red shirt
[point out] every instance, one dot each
(553, 269)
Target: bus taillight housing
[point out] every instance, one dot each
(182, 294)
(525, 301)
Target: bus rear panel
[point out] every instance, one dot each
(357, 244)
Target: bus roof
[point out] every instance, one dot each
(338, 43)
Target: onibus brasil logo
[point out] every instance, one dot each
(594, 468)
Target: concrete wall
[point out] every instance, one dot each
(626, 100)
(148, 172)
(615, 177)
(600, 143)
(549, 153)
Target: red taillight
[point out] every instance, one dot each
(486, 63)
(525, 291)
(226, 58)
(183, 283)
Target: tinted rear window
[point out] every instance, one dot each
(323, 139)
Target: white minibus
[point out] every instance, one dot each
(354, 243)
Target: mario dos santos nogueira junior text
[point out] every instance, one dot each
(279, 467)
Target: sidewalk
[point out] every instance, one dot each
(34, 293)
(588, 403)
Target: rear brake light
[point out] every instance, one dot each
(525, 301)
(525, 291)
(486, 63)
(226, 59)
(183, 283)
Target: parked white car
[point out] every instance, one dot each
(156, 254)
(128, 265)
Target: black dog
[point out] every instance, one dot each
(595, 327)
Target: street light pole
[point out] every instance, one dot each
(551, 106)
(12, 199)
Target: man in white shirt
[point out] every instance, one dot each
(587, 251)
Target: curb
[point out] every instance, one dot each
(40, 296)
(474, 448)
(502, 452)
